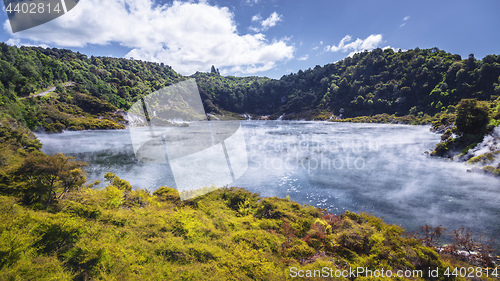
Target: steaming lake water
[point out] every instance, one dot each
(380, 169)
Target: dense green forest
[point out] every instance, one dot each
(380, 81)
(415, 82)
(54, 225)
(101, 87)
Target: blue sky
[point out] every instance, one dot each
(264, 37)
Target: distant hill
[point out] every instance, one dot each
(380, 81)
(418, 81)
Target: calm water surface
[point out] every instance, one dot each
(380, 169)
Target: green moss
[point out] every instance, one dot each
(167, 194)
(492, 170)
(258, 240)
(443, 148)
(299, 250)
(391, 119)
(483, 158)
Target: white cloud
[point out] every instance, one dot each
(316, 46)
(252, 2)
(250, 69)
(256, 17)
(404, 21)
(19, 43)
(188, 36)
(356, 46)
(271, 21)
(304, 58)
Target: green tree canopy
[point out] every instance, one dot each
(44, 178)
(472, 117)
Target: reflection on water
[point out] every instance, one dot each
(380, 169)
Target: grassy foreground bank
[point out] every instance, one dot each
(53, 227)
(229, 234)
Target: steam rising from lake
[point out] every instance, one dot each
(380, 169)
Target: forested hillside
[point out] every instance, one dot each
(26, 70)
(54, 226)
(101, 86)
(381, 81)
